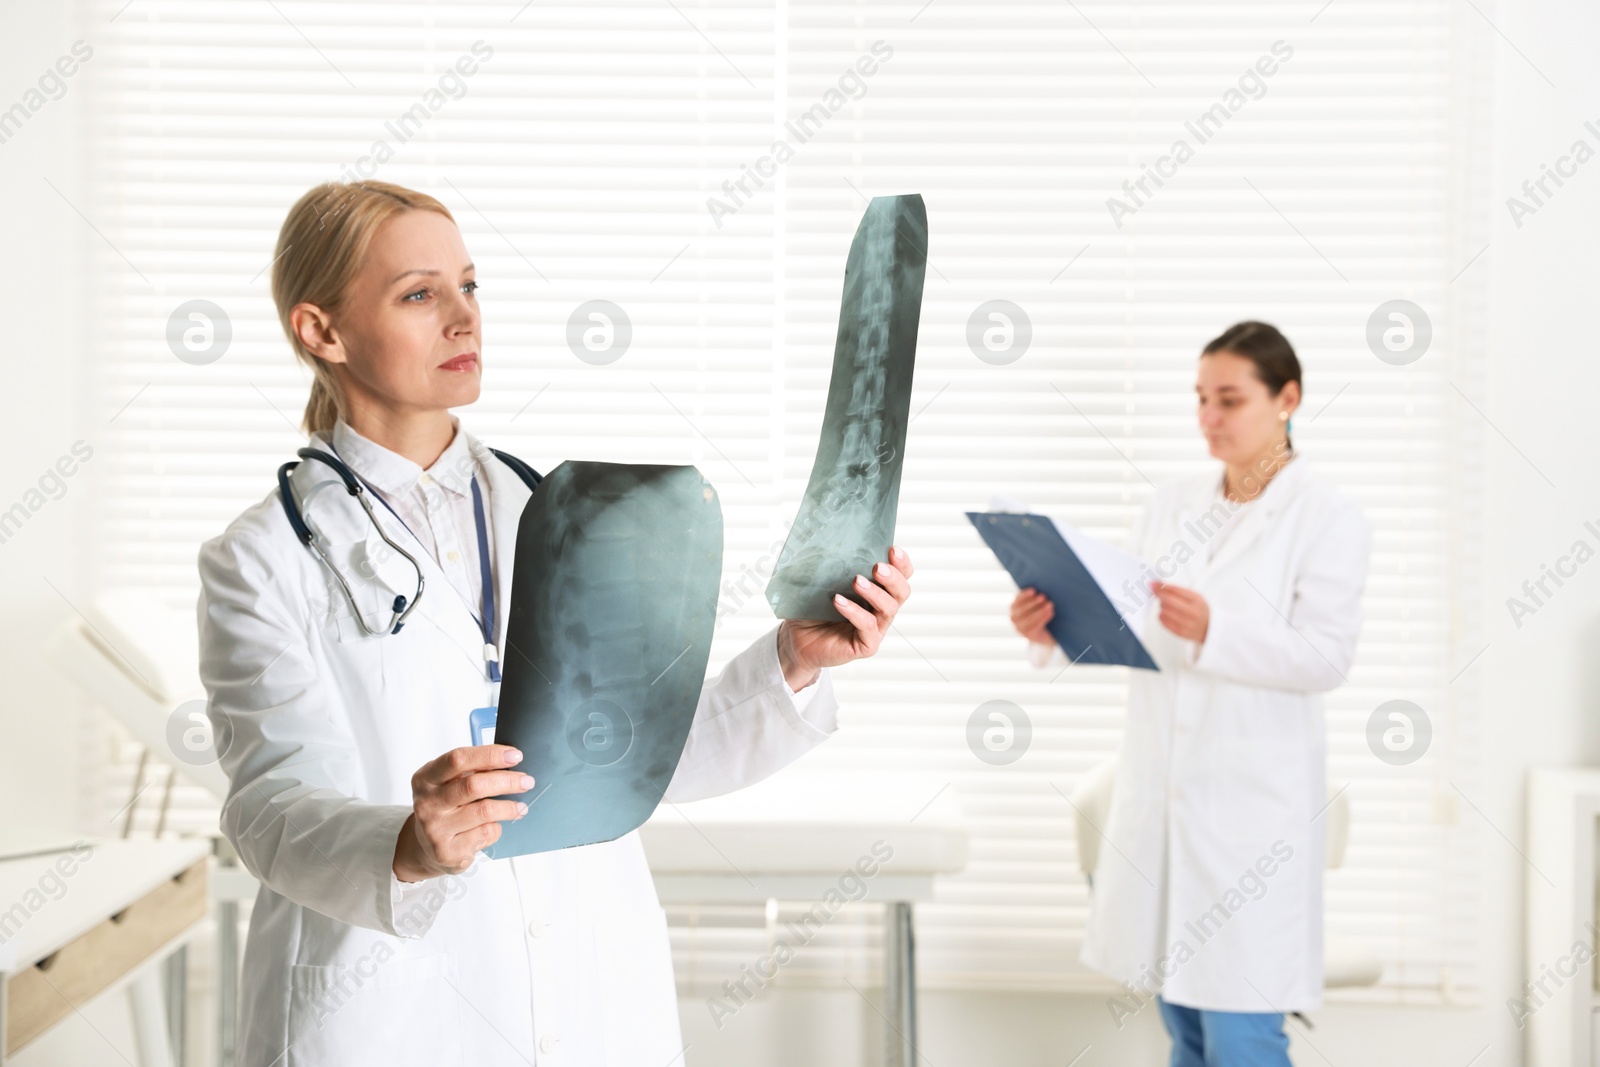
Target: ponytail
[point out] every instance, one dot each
(322, 408)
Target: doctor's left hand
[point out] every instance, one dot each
(1183, 611)
(804, 648)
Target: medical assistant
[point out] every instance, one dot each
(547, 959)
(1211, 891)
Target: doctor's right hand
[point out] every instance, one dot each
(1030, 611)
(453, 810)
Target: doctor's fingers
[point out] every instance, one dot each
(456, 854)
(1179, 609)
(1032, 613)
(444, 828)
(884, 603)
(459, 792)
(461, 761)
(868, 630)
(1190, 607)
(901, 561)
(892, 579)
(1176, 594)
(1181, 623)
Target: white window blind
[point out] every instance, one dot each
(703, 166)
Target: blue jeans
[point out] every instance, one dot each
(1225, 1038)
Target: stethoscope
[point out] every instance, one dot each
(403, 606)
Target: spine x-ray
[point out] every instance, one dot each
(846, 519)
(613, 602)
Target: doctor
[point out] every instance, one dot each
(1210, 896)
(379, 935)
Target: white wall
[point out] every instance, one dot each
(42, 278)
(48, 391)
(1540, 684)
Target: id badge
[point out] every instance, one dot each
(482, 721)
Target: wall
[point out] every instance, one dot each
(46, 410)
(49, 396)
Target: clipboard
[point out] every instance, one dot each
(1087, 624)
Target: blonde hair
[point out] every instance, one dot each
(321, 247)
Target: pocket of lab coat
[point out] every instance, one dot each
(391, 1010)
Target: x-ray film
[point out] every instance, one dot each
(613, 601)
(846, 520)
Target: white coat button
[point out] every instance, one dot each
(535, 928)
(547, 1043)
(454, 556)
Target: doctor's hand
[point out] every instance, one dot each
(1183, 611)
(804, 648)
(1030, 611)
(454, 813)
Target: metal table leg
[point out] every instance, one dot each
(227, 981)
(146, 1000)
(899, 985)
(175, 982)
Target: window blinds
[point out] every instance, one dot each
(1129, 179)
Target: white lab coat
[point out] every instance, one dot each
(548, 959)
(1211, 889)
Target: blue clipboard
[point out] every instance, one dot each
(1086, 625)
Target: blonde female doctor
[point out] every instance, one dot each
(380, 936)
(1210, 897)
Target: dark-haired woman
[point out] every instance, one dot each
(1209, 899)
